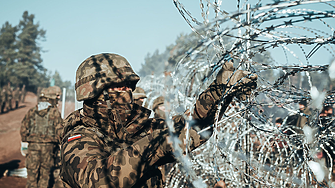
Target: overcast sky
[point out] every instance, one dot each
(77, 29)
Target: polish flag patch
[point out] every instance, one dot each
(74, 137)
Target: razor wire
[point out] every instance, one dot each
(246, 147)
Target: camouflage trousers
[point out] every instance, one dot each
(39, 161)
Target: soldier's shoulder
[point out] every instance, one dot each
(78, 129)
(32, 110)
(72, 116)
(54, 110)
(30, 113)
(80, 132)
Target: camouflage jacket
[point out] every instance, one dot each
(9, 93)
(16, 94)
(3, 95)
(41, 126)
(91, 158)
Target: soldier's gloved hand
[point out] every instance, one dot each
(152, 147)
(238, 83)
(24, 148)
(159, 144)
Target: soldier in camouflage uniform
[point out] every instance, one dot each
(159, 108)
(2, 99)
(139, 96)
(57, 182)
(9, 95)
(16, 96)
(23, 93)
(41, 128)
(110, 141)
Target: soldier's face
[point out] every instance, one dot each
(162, 107)
(119, 88)
(301, 106)
(278, 125)
(326, 113)
(120, 94)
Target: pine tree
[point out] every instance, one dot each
(8, 53)
(29, 67)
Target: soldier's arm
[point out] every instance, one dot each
(206, 107)
(84, 163)
(228, 82)
(24, 130)
(58, 124)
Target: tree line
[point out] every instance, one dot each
(20, 56)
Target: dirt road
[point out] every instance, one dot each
(10, 140)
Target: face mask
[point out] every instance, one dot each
(116, 98)
(114, 107)
(43, 105)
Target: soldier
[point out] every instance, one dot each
(108, 143)
(16, 96)
(159, 108)
(302, 120)
(56, 91)
(41, 128)
(57, 182)
(23, 93)
(9, 95)
(3, 99)
(139, 96)
(279, 122)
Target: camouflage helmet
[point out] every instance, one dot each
(43, 92)
(54, 92)
(101, 70)
(157, 102)
(139, 93)
(51, 92)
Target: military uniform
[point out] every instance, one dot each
(155, 107)
(103, 146)
(303, 120)
(139, 96)
(2, 99)
(41, 128)
(9, 95)
(23, 93)
(16, 96)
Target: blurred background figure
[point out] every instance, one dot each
(327, 111)
(23, 93)
(325, 151)
(41, 128)
(279, 122)
(159, 108)
(9, 92)
(3, 97)
(17, 96)
(302, 120)
(139, 96)
(220, 184)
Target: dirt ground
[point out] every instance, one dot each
(10, 140)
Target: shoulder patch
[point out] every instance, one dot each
(74, 137)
